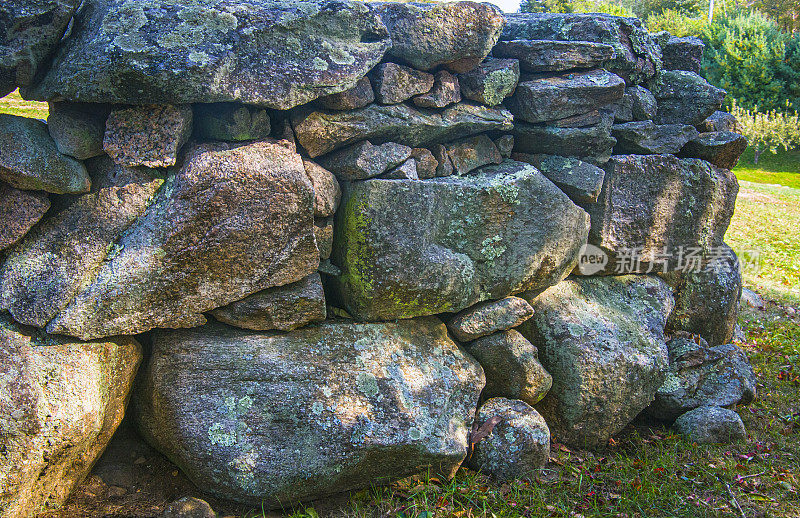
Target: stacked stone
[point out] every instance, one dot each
(311, 213)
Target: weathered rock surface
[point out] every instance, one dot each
(365, 160)
(472, 238)
(518, 446)
(426, 163)
(595, 329)
(682, 53)
(489, 317)
(554, 56)
(592, 142)
(323, 233)
(321, 132)
(291, 417)
(189, 507)
(505, 145)
(719, 121)
(60, 403)
(512, 368)
(231, 122)
(405, 171)
(149, 136)
(357, 97)
(434, 34)
(29, 32)
(19, 212)
(272, 54)
(638, 104)
(557, 97)
(650, 202)
(469, 154)
(231, 222)
(78, 128)
(445, 91)
(30, 160)
(700, 375)
(491, 81)
(711, 425)
(721, 148)
(579, 180)
(283, 308)
(637, 56)
(445, 167)
(684, 97)
(327, 193)
(393, 83)
(648, 138)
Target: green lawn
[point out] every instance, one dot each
(782, 168)
(15, 105)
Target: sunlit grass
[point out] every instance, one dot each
(16, 105)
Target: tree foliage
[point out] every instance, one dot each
(769, 130)
(573, 6)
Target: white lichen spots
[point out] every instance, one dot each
(673, 383)
(201, 58)
(317, 408)
(367, 384)
(338, 55)
(219, 435)
(491, 249)
(414, 434)
(320, 64)
(124, 24)
(237, 408)
(326, 391)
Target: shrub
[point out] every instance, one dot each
(769, 130)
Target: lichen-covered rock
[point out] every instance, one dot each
(445, 167)
(365, 160)
(472, 238)
(29, 159)
(284, 418)
(505, 145)
(593, 143)
(393, 83)
(426, 163)
(323, 234)
(719, 121)
(149, 136)
(231, 222)
(19, 212)
(684, 98)
(283, 308)
(30, 30)
(638, 104)
(489, 317)
(321, 132)
(189, 507)
(518, 446)
(60, 402)
(637, 56)
(579, 180)
(457, 35)
(721, 148)
(469, 154)
(351, 99)
(512, 368)
(273, 54)
(592, 330)
(554, 56)
(648, 138)
(682, 53)
(650, 202)
(491, 81)
(405, 171)
(445, 91)
(711, 425)
(557, 97)
(700, 375)
(78, 128)
(231, 122)
(327, 192)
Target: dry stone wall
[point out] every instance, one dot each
(360, 241)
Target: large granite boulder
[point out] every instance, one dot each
(637, 56)
(30, 160)
(554, 56)
(273, 54)
(721, 148)
(684, 98)
(602, 340)
(411, 248)
(276, 419)
(320, 132)
(60, 402)
(652, 205)
(29, 32)
(648, 138)
(457, 35)
(19, 212)
(593, 142)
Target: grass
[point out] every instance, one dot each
(14, 104)
(782, 168)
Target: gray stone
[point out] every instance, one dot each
(327, 193)
(322, 132)
(285, 418)
(491, 81)
(445, 167)
(365, 160)
(271, 54)
(512, 368)
(638, 104)
(518, 447)
(752, 299)
(323, 234)
(426, 163)
(149, 136)
(721, 148)
(469, 154)
(231, 122)
(204, 242)
(554, 56)
(711, 425)
(394, 83)
(356, 97)
(648, 138)
(682, 53)
(505, 145)
(637, 56)
(684, 98)
(189, 507)
(489, 317)
(719, 121)
(579, 180)
(592, 330)
(589, 143)
(19, 212)
(29, 159)
(78, 128)
(405, 171)
(471, 238)
(700, 375)
(60, 402)
(283, 307)
(557, 97)
(457, 35)
(582, 120)
(445, 91)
